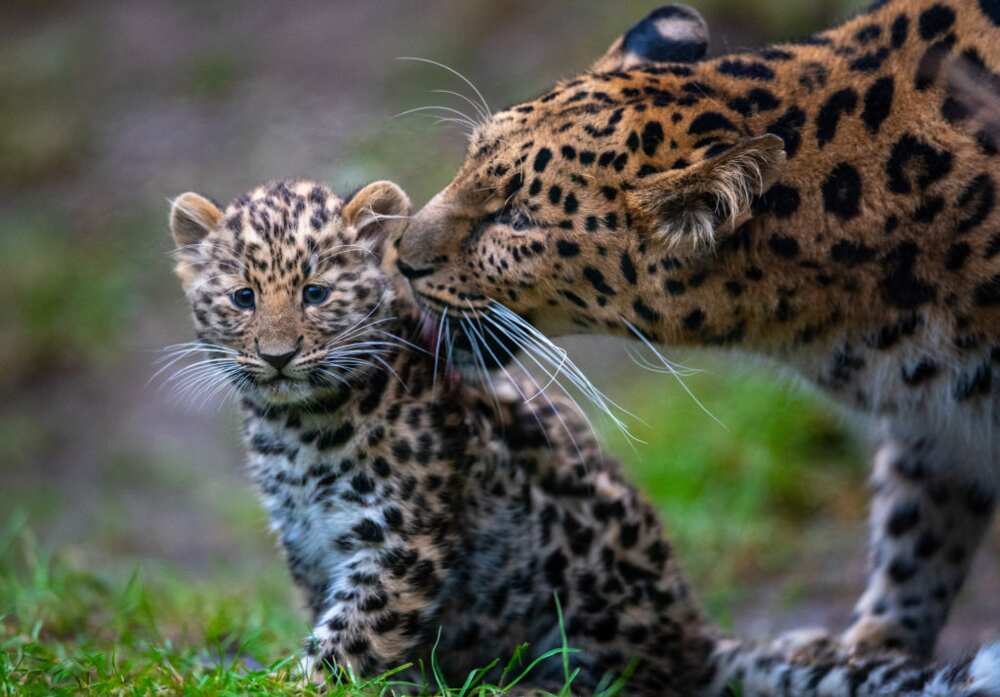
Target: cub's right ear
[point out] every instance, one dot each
(379, 212)
(192, 217)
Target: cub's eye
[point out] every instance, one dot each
(243, 298)
(315, 295)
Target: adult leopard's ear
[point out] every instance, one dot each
(192, 217)
(670, 34)
(687, 207)
(378, 212)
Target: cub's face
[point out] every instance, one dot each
(287, 286)
(559, 198)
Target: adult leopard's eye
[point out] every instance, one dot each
(243, 298)
(519, 221)
(315, 295)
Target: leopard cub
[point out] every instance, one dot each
(416, 510)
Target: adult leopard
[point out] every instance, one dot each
(828, 203)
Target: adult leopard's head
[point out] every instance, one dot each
(287, 286)
(556, 194)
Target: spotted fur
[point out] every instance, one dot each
(415, 511)
(828, 203)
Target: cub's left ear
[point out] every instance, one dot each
(378, 212)
(688, 206)
(670, 34)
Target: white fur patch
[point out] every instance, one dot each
(680, 29)
(984, 672)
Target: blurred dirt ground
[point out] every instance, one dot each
(110, 108)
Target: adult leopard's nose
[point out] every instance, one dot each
(429, 237)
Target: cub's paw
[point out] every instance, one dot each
(311, 669)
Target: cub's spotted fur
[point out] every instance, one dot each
(408, 507)
(828, 203)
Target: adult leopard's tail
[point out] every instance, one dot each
(763, 671)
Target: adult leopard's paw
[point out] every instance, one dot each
(870, 635)
(809, 646)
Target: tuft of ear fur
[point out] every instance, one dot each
(380, 211)
(192, 217)
(688, 206)
(669, 34)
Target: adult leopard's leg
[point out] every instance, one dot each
(764, 670)
(928, 516)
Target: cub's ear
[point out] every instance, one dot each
(670, 34)
(192, 216)
(378, 212)
(687, 206)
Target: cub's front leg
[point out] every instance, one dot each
(377, 612)
(364, 632)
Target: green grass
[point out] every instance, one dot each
(68, 631)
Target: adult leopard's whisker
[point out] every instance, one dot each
(482, 114)
(553, 379)
(534, 341)
(464, 125)
(517, 387)
(545, 397)
(437, 347)
(484, 376)
(454, 72)
(416, 110)
(669, 367)
(451, 342)
(646, 364)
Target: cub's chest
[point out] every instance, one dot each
(312, 500)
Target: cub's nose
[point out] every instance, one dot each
(278, 360)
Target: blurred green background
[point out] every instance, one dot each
(110, 108)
